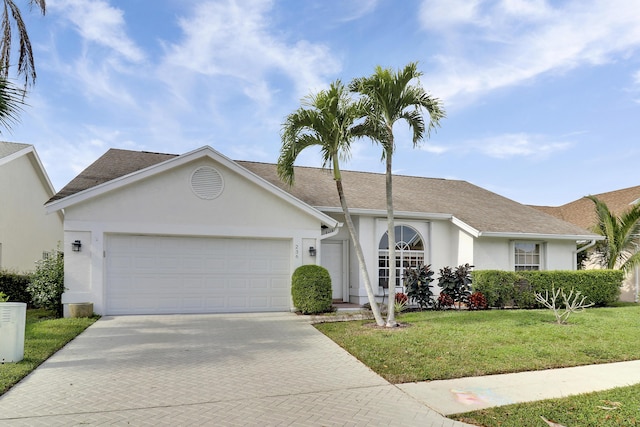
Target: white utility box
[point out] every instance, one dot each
(13, 316)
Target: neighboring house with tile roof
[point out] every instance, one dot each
(582, 213)
(199, 232)
(26, 230)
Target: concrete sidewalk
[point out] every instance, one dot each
(470, 394)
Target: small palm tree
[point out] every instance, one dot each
(389, 97)
(26, 64)
(327, 120)
(619, 250)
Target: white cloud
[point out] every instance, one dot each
(98, 22)
(235, 39)
(442, 14)
(517, 145)
(433, 148)
(527, 39)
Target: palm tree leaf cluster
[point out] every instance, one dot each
(331, 119)
(26, 63)
(619, 250)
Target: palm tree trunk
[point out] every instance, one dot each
(391, 233)
(359, 254)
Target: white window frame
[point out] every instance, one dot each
(528, 264)
(415, 257)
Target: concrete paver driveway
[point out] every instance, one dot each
(220, 370)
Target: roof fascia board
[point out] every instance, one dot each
(42, 171)
(177, 161)
(465, 227)
(11, 157)
(35, 160)
(381, 212)
(533, 236)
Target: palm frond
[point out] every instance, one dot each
(11, 102)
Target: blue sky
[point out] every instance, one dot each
(542, 97)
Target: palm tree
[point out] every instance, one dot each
(11, 101)
(619, 250)
(327, 120)
(26, 64)
(389, 97)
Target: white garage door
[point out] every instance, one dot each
(161, 274)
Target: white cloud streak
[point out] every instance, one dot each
(528, 38)
(518, 145)
(98, 22)
(234, 39)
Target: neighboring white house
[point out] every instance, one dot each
(26, 231)
(198, 232)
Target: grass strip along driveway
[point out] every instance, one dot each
(44, 335)
(438, 345)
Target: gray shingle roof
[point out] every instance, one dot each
(8, 148)
(481, 209)
(111, 165)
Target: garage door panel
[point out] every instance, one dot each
(161, 274)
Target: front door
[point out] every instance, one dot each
(333, 259)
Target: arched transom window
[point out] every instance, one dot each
(409, 253)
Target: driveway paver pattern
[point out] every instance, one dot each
(270, 369)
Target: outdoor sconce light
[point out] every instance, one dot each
(312, 251)
(76, 245)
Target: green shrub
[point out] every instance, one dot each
(456, 283)
(14, 285)
(311, 289)
(47, 283)
(417, 282)
(601, 287)
(496, 285)
(511, 288)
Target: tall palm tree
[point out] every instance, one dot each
(619, 250)
(390, 97)
(327, 119)
(26, 64)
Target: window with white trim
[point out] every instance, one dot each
(409, 254)
(527, 256)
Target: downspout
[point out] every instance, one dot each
(582, 249)
(637, 296)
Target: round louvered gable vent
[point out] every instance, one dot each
(207, 183)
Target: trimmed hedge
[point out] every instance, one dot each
(311, 289)
(15, 286)
(517, 288)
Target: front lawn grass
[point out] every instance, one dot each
(619, 407)
(44, 335)
(453, 344)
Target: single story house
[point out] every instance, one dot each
(199, 232)
(582, 213)
(27, 233)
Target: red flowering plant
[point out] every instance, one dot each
(477, 301)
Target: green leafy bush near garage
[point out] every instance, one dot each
(14, 285)
(517, 288)
(311, 289)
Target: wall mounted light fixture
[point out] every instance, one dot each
(76, 245)
(312, 251)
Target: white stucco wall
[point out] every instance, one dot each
(630, 289)
(497, 254)
(26, 231)
(165, 204)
